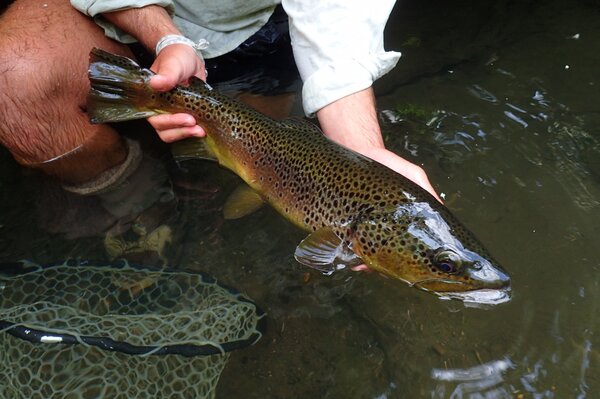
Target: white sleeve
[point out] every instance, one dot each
(338, 47)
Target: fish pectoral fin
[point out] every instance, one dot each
(192, 148)
(325, 251)
(242, 201)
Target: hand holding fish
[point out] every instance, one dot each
(175, 65)
(402, 166)
(352, 122)
(354, 209)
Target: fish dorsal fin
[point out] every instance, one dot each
(325, 251)
(242, 201)
(192, 148)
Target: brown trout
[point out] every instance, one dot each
(355, 209)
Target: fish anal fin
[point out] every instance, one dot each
(192, 148)
(242, 201)
(325, 251)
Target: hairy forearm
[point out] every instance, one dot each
(352, 121)
(147, 24)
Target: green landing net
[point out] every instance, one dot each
(78, 330)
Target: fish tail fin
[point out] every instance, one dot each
(119, 89)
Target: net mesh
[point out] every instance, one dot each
(125, 310)
(29, 370)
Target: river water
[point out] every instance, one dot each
(499, 103)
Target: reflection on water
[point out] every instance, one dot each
(483, 379)
(510, 135)
(552, 139)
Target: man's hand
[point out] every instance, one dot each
(352, 122)
(402, 166)
(175, 65)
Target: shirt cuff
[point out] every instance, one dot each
(344, 77)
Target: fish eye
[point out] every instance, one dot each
(447, 262)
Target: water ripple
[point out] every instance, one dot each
(511, 124)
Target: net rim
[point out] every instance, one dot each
(37, 335)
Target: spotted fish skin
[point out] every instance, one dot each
(357, 209)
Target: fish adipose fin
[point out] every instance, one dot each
(243, 201)
(192, 148)
(325, 251)
(119, 90)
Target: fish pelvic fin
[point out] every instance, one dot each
(192, 148)
(119, 89)
(243, 201)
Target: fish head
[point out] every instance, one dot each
(427, 248)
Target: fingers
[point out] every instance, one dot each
(171, 121)
(175, 65)
(172, 135)
(361, 268)
(418, 175)
(174, 127)
(402, 166)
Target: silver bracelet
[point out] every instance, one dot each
(167, 40)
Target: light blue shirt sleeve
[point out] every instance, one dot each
(94, 9)
(225, 24)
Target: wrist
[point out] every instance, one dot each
(352, 121)
(84, 159)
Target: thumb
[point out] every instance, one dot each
(175, 65)
(169, 72)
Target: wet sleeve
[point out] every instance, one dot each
(95, 9)
(338, 47)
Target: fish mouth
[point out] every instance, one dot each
(438, 285)
(485, 277)
(482, 298)
(476, 298)
(490, 277)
